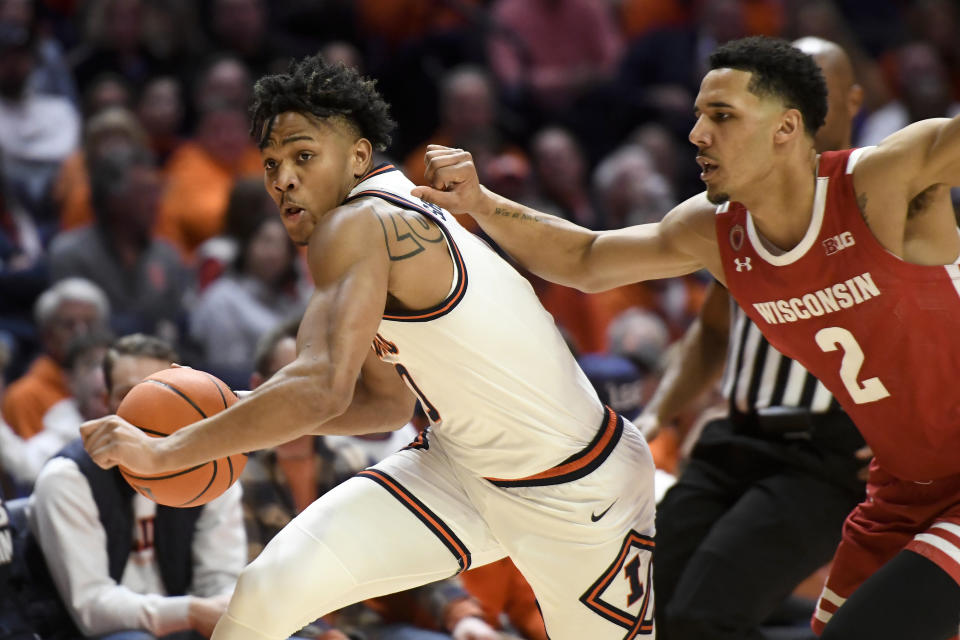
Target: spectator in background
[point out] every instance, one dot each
(110, 131)
(104, 91)
(142, 276)
(22, 458)
(468, 113)
(339, 51)
(937, 23)
(240, 28)
(201, 173)
(113, 43)
(37, 131)
(224, 81)
(171, 35)
(561, 171)
(264, 287)
(661, 69)
(51, 75)
(68, 309)
(13, 620)
(246, 208)
(281, 482)
(924, 91)
(669, 156)
(23, 277)
(179, 566)
(552, 50)
(160, 111)
(824, 19)
(629, 190)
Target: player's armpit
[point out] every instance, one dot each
(917, 157)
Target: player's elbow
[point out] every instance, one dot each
(316, 394)
(589, 284)
(336, 399)
(584, 273)
(399, 411)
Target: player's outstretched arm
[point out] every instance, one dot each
(696, 365)
(558, 250)
(350, 273)
(908, 163)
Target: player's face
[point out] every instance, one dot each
(733, 133)
(309, 166)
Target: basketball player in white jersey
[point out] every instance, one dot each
(521, 458)
(846, 264)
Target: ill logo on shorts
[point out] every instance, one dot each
(623, 594)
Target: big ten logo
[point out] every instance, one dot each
(838, 242)
(6, 538)
(434, 209)
(385, 350)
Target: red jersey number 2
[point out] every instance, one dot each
(861, 391)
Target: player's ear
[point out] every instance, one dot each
(854, 100)
(361, 155)
(791, 125)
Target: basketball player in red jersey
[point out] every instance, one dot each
(844, 266)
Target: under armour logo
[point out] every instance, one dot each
(743, 265)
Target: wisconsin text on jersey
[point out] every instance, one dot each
(842, 295)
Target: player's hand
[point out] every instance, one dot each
(453, 182)
(472, 628)
(864, 455)
(113, 441)
(204, 613)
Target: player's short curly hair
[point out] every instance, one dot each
(311, 86)
(779, 69)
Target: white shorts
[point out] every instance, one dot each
(581, 533)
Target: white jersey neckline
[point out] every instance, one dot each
(765, 249)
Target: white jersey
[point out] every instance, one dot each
(505, 396)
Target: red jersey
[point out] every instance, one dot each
(883, 335)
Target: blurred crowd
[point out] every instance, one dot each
(131, 197)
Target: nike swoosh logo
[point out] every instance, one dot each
(594, 517)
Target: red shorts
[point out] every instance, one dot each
(897, 515)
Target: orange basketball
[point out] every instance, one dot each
(161, 404)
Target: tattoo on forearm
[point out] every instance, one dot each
(405, 234)
(518, 215)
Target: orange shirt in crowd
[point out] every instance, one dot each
(586, 316)
(502, 589)
(398, 21)
(406, 607)
(71, 192)
(198, 189)
(29, 397)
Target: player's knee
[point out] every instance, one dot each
(256, 595)
(289, 585)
